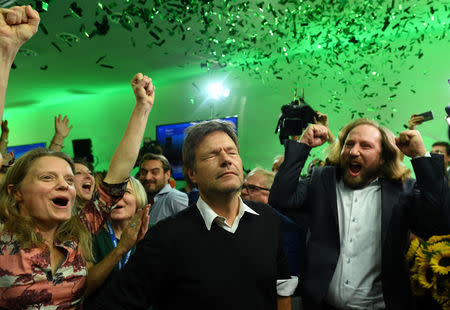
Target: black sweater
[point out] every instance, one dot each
(181, 265)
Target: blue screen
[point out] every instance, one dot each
(171, 138)
(19, 150)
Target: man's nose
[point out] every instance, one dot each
(225, 159)
(354, 151)
(148, 176)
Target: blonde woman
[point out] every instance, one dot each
(44, 240)
(116, 242)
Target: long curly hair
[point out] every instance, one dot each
(24, 227)
(392, 169)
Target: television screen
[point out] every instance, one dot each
(171, 138)
(19, 150)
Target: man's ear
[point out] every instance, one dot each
(167, 176)
(12, 190)
(191, 174)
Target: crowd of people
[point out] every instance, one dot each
(334, 237)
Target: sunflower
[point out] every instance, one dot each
(425, 274)
(435, 239)
(416, 287)
(412, 249)
(422, 257)
(441, 289)
(440, 261)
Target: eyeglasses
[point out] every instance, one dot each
(253, 188)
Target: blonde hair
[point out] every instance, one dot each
(278, 160)
(392, 168)
(139, 192)
(24, 227)
(268, 176)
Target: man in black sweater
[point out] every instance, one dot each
(221, 253)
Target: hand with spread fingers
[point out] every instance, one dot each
(62, 126)
(62, 130)
(136, 229)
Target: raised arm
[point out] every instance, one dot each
(287, 190)
(4, 138)
(17, 25)
(322, 119)
(62, 130)
(126, 153)
(414, 120)
(430, 205)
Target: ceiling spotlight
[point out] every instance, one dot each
(216, 90)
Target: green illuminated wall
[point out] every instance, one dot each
(347, 64)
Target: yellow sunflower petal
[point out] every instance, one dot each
(426, 276)
(416, 287)
(438, 238)
(412, 249)
(440, 262)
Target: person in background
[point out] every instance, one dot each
(256, 187)
(191, 189)
(277, 161)
(440, 147)
(154, 174)
(84, 181)
(62, 130)
(116, 242)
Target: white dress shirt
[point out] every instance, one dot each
(285, 287)
(356, 283)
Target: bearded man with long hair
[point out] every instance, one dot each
(361, 206)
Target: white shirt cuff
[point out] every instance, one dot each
(286, 287)
(427, 154)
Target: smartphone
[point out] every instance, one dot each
(427, 116)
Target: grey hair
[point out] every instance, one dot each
(196, 133)
(268, 175)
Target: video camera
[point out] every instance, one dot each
(294, 118)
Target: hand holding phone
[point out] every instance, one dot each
(427, 116)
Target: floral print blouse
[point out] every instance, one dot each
(26, 279)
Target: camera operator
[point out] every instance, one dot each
(361, 207)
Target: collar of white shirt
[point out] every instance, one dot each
(209, 215)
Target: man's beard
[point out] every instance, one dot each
(154, 190)
(363, 179)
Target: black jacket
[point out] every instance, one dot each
(421, 206)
